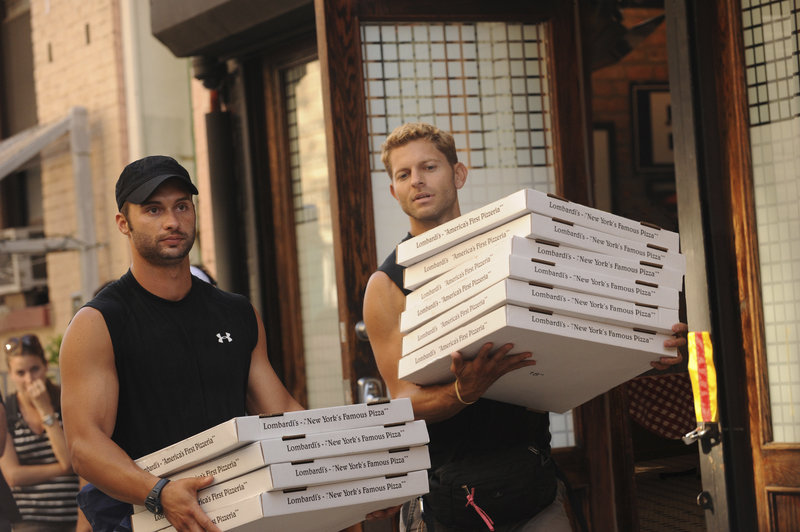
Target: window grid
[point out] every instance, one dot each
(772, 59)
(292, 77)
(480, 86)
(313, 230)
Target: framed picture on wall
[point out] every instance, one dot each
(651, 116)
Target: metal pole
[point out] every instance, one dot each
(84, 200)
(687, 174)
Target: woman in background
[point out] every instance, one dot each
(8, 508)
(36, 463)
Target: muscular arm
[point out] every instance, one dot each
(89, 395)
(383, 304)
(266, 394)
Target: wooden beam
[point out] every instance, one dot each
(339, 44)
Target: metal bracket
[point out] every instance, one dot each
(707, 433)
(361, 331)
(370, 389)
(705, 501)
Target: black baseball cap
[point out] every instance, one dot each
(141, 178)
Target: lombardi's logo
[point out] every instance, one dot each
(226, 336)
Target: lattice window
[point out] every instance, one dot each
(485, 82)
(771, 44)
(772, 58)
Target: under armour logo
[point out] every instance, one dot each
(226, 337)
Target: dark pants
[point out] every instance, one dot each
(553, 518)
(104, 513)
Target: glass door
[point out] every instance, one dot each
(316, 275)
(771, 46)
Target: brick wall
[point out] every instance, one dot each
(611, 103)
(78, 61)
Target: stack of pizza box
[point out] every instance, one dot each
(319, 469)
(591, 294)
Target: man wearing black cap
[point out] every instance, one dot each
(157, 356)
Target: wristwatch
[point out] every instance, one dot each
(153, 500)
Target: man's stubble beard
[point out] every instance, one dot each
(149, 250)
(440, 215)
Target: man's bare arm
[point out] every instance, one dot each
(383, 304)
(266, 394)
(90, 393)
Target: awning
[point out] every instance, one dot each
(222, 28)
(35, 246)
(25, 145)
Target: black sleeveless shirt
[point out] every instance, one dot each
(182, 365)
(484, 425)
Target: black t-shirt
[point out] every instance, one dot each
(484, 425)
(394, 270)
(182, 366)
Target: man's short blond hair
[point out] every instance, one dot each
(410, 131)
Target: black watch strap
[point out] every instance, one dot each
(153, 500)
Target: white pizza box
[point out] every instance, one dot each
(301, 474)
(238, 431)
(472, 277)
(510, 233)
(244, 517)
(558, 300)
(306, 447)
(523, 201)
(585, 238)
(576, 359)
(325, 508)
(557, 230)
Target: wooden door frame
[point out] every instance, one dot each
(737, 164)
(689, 177)
(281, 301)
(746, 477)
(348, 173)
(772, 463)
(599, 443)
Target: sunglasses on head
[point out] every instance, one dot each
(26, 341)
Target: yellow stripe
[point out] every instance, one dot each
(703, 376)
